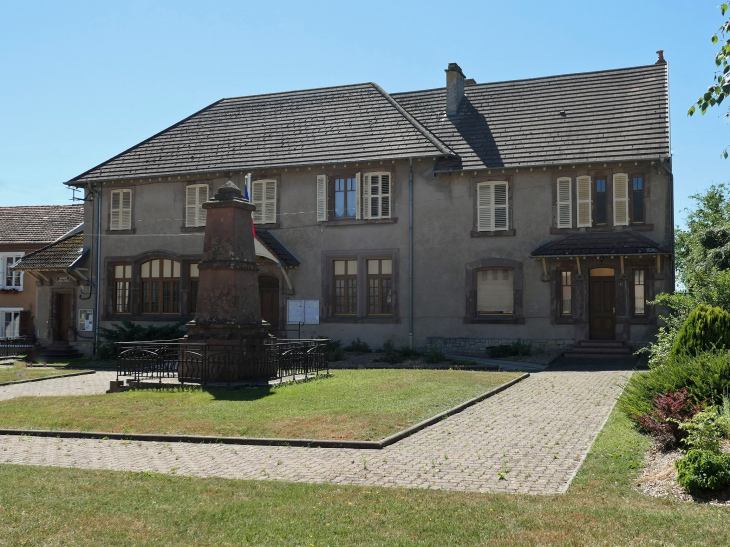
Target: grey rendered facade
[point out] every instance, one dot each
(439, 148)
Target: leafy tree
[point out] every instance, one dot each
(720, 87)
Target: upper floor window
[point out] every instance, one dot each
(195, 196)
(160, 286)
(10, 279)
(492, 206)
(122, 282)
(601, 201)
(495, 292)
(345, 286)
(263, 196)
(121, 210)
(380, 286)
(565, 203)
(354, 196)
(637, 199)
(376, 195)
(345, 197)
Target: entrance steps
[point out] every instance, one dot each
(58, 351)
(599, 349)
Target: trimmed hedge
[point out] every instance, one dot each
(707, 328)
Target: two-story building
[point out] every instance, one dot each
(23, 230)
(459, 217)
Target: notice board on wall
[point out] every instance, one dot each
(304, 312)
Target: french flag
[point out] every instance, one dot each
(245, 195)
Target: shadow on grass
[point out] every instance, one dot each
(572, 364)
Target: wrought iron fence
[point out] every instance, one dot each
(233, 362)
(15, 347)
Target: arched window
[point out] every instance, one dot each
(161, 287)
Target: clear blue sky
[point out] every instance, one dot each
(83, 81)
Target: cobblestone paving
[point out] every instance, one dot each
(531, 438)
(87, 384)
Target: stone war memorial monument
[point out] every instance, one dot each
(228, 318)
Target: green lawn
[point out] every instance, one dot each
(49, 506)
(351, 404)
(19, 371)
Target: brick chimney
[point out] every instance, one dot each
(454, 88)
(660, 60)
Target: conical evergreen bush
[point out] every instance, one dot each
(706, 328)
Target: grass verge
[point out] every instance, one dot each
(352, 405)
(19, 371)
(53, 506)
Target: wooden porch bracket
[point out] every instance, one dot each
(544, 266)
(622, 265)
(577, 261)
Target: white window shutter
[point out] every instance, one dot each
(257, 199)
(585, 209)
(366, 197)
(485, 216)
(202, 198)
(495, 292)
(321, 198)
(191, 206)
(115, 213)
(375, 210)
(270, 202)
(620, 199)
(358, 185)
(565, 203)
(501, 222)
(385, 188)
(125, 222)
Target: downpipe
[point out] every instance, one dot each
(410, 252)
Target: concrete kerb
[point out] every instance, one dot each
(56, 377)
(262, 441)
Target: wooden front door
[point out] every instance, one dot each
(269, 294)
(64, 316)
(602, 302)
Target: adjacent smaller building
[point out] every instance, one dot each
(24, 230)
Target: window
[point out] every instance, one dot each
(195, 196)
(639, 293)
(376, 195)
(637, 199)
(585, 212)
(566, 293)
(9, 323)
(10, 279)
(263, 196)
(345, 197)
(492, 213)
(160, 287)
(620, 199)
(565, 203)
(380, 287)
(121, 210)
(601, 201)
(345, 284)
(193, 293)
(122, 282)
(495, 292)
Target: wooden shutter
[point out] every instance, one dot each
(270, 202)
(191, 206)
(366, 197)
(495, 292)
(126, 213)
(585, 211)
(321, 198)
(501, 222)
(385, 195)
(565, 203)
(485, 213)
(620, 199)
(116, 201)
(358, 185)
(202, 198)
(257, 199)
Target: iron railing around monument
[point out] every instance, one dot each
(15, 347)
(205, 363)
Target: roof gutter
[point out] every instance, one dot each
(545, 165)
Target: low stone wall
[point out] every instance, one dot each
(478, 346)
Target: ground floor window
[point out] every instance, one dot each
(380, 287)
(193, 294)
(122, 282)
(495, 292)
(9, 323)
(345, 285)
(566, 293)
(160, 287)
(639, 293)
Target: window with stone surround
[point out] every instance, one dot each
(345, 287)
(10, 279)
(160, 287)
(494, 291)
(639, 291)
(380, 287)
(122, 286)
(566, 293)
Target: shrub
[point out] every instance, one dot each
(134, 332)
(664, 421)
(393, 355)
(705, 429)
(701, 471)
(516, 348)
(705, 329)
(335, 352)
(358, 345)
(388, 347)
(434, 356)
(705, 376)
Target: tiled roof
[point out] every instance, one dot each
(610, 115)
(625, 242)
(38, 223)
(281, 252)
(59, 255)
(337, 124)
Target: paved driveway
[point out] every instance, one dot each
(531, 438)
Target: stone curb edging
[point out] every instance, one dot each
(262, 441)
(47, 378)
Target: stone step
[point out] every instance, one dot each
(600, 344)
(581, 355)
(606, 350)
